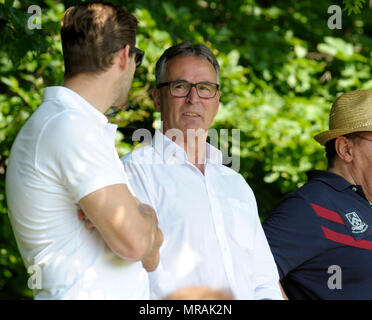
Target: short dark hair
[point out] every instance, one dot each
(92, 33)
(330, 148)
(181, 50)
(330, 152)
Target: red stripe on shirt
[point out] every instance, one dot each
(345, 239)
(327, 214)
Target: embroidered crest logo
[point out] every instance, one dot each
(358, 226)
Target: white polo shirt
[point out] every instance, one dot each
(212, 231)
(65, 151)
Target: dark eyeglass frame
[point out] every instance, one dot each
(139, 55)
(169, 83)
(363, 138)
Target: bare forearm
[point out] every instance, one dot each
(116, 215)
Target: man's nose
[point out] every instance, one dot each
(193, 96)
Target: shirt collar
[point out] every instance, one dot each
(332, 179)
(214, 156)
(71, 99)
(169, 149)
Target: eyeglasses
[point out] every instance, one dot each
(139, 55)
(182, 88)
(363, 138)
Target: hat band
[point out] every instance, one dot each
(354, 125)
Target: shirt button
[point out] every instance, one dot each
(354, 189)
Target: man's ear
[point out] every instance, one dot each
(123, 57)
(156, 96)
(344, 149)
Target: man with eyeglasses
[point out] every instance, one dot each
(320, 234)
(212, 232)
(65, 158)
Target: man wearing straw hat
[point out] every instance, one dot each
(321, 234)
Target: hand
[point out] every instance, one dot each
(148, 212)
(88, 224)
(151, 260)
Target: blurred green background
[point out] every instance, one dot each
(281, 69)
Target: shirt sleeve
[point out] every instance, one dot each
(81, 154)
(266, 278)
(293, 233)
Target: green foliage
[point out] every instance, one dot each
(281, 69)
(353, 6)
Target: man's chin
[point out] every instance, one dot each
(192, 129)
(193, 132)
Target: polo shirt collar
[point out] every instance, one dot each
(169, 149)
(332, 179)
(71, 99)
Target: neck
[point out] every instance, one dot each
(343, 172)
(196, 152)
(96, 89)
(194, 143)
(348, 172)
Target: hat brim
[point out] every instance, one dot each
(325, 136)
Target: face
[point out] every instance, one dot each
(124, 84)
(190, 112)
(362, 162)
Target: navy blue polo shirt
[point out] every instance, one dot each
(321, 239)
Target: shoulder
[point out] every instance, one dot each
(228, 171)
(72, 128)
(231, 185)
(141, 155)
(296, 208)
(69, 122)
(294, 200)
(139, 163)
(234, 178)
(313, 190)
(67, 125)
(70, 138)
(316, 190)
(301, 199)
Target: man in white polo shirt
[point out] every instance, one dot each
(65, 158)
(212, 232)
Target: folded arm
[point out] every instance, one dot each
(129, 232)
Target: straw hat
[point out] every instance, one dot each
(351, 112)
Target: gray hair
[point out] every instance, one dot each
(181, 50)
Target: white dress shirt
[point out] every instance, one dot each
(212, 231)
(65, 151)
